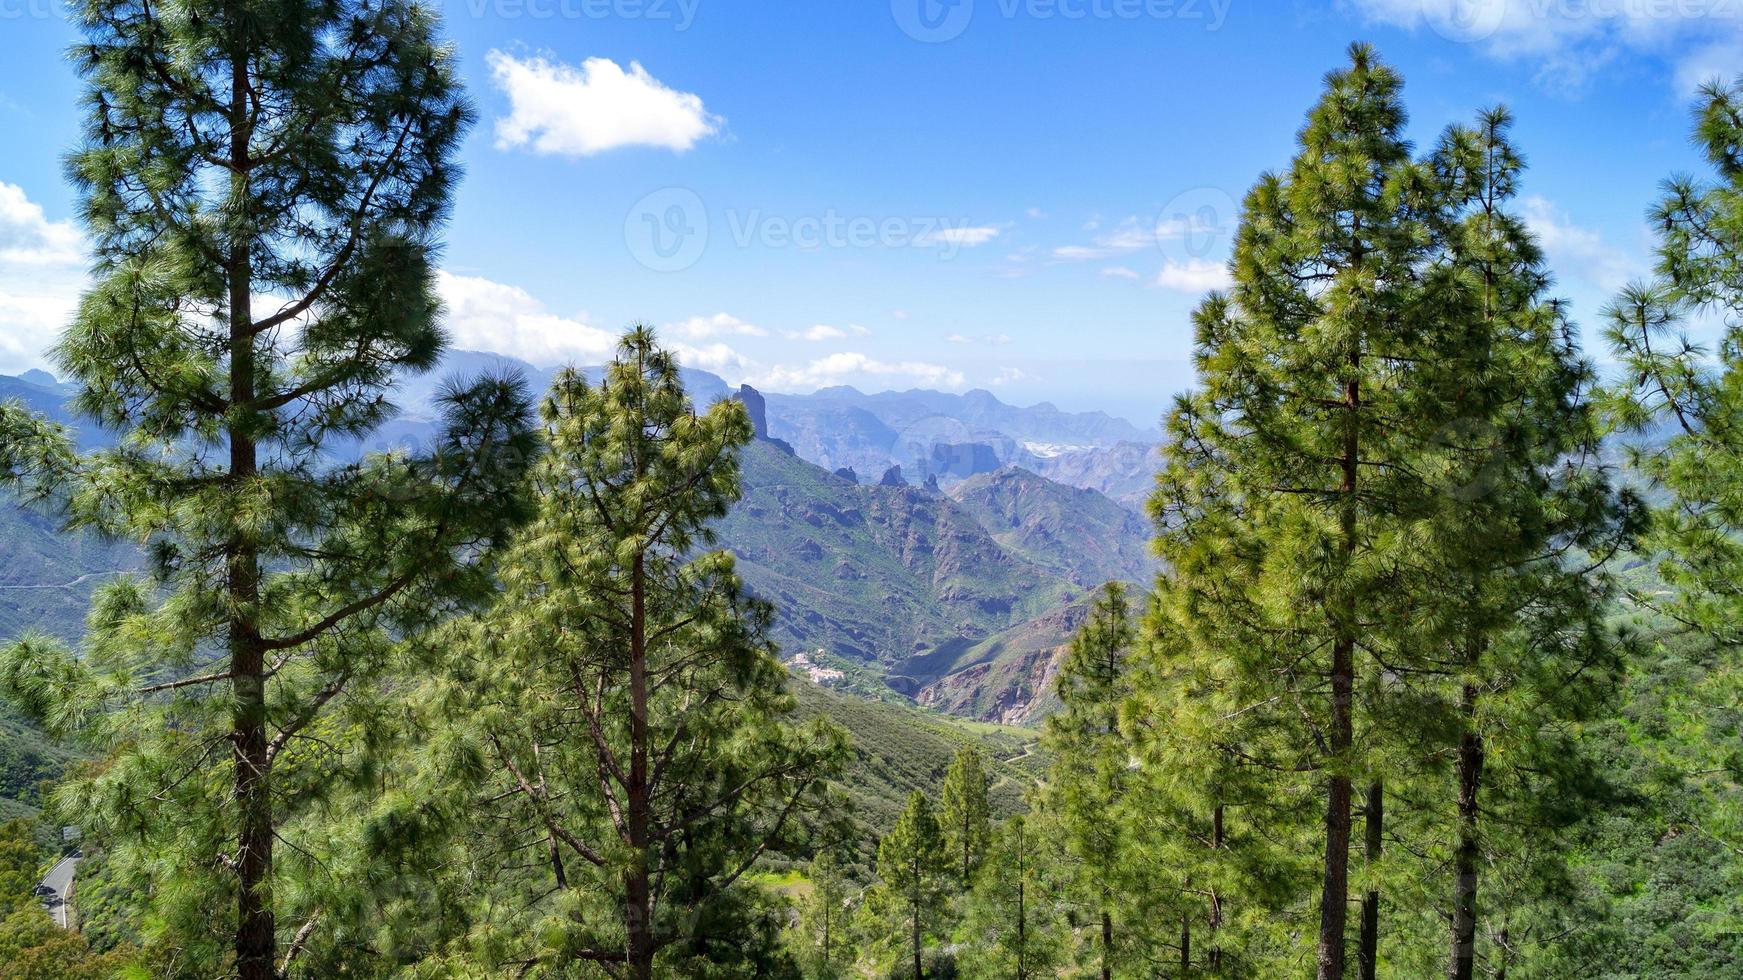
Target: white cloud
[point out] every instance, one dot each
(1193, 276)
(560, 110)
(1576, 252)
(1571, 41)
(41, 275)
(963, 237)
(712, 357)
(901, 314)
(718, 325)
(1120, 272)
(847, 366)
(824, 331)
(490, 316)
(27, 237)
(1134, 234)
(990, 340)
(1009, 375)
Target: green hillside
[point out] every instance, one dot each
(46, 575)
(897, 749)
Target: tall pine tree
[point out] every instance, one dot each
(916, 870)
(1513, 550)
(621, 703)
(1091, 771)
(1290, 467)
(966, 814)
(262, 187)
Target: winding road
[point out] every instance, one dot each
(58, 898)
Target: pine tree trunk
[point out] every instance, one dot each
(1373, 823)
(1022, 911)
(1185, 946)
(1215, 956)
(1335, 885)
(919, 964)
(1107, 945)
(1465, 857)
(256, 934)
(638, 899)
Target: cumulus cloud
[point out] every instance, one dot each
(1009, 375)
(41, 275)
(1571, 42)
(823, 331)
(27, 237)
(967, 236)
(560, 110)
(1120, 272)
(1193, 276)
(718, 325)
(1577, 252)
(1134, 234)
(848, 366)
(715, 357)
(490, 316)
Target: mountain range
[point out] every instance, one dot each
(920, 540)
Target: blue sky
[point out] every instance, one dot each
(1022, 195)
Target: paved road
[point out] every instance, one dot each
(59, 882)
(81, 580)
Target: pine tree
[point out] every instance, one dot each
(1011, 925)
(262, 187)
(621, 703)
(916, 869)
(1290, 469)
(1090, 770)
(1679, 404)
(1685, 399)
(822, 919)
(966, 815)
(1514, 547)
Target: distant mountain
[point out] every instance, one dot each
(931, 433)
(1076, 533)
(891, 572)
(1008, 677)
(875, 573)
(1125, 472)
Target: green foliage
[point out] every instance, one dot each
(1687, 404)
(262, 190)
(32, 947)
(1083, 799)
(966, 815)
(896, 750)
(915, 872)
(825, 949)
(620, 709)
(1012, 926)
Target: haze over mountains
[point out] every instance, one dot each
(940, 545)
